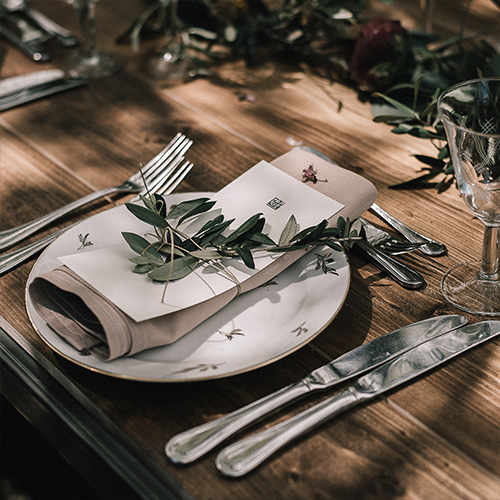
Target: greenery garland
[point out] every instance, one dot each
(401, 73)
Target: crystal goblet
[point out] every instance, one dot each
(89, 62)
(470, 112)
(171, 62)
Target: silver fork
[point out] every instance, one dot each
(134, 184)
(384, 241)
(430, 247)
(174, 175)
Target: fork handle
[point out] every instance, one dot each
(12, 259)
(10, 237)
(193, 443)
(406, 276)
(432, 248)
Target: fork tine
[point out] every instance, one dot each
(172, 181)
(166, 172)
(170, 156)
(178, 137)
(151, 165)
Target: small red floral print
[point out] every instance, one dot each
(309, 175)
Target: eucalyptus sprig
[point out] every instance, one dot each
(170, 254)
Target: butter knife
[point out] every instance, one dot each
(39, 91)
(16, 84)
(193, 443)
(243, 456)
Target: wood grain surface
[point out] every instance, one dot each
(435, 439)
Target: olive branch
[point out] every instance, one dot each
(170, 254)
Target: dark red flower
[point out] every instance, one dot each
(382, 54)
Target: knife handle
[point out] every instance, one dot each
(243, 456)
(193, 443)
(31, 51)
(406, 276)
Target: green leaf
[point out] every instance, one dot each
(184, 207)
(202, 208)
(262, 239)
(142, 269)
(429, 160)
(355, 228)
(180, 269)
(289, 231)
(401, 107)
(211, 223)
(206, 254)
(246, 256)
(137, 243)
(143, 247)
(246, 226)
(148, 216)
(335, 245)
(140, 260)
(213, 234)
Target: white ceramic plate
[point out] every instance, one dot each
(257, 328)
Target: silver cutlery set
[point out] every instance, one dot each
(380, 365)
(162, 175)
(28, 30)
(379, 245)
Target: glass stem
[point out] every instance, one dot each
(490, 257)
(86, 16)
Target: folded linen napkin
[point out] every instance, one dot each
(92, 323)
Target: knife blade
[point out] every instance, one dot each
(15, 84)
(243, 456)
(193, 443)
(39, 91)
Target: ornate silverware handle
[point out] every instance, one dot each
(406, 276)
(243, 456)
(12, 259)
(432, 248)
(10, 237)
(193, 443)
(62, 35)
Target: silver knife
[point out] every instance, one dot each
(243, 456)
(15, 84)
(39, 91)
(193, 443)
(35, 53)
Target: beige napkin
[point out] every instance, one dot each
(91, 323)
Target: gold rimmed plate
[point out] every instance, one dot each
(254, 330)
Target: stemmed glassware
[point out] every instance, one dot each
(89, 62)
(171, 62)
(470, 112)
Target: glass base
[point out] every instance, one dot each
(462, 287)
(93, 66)
(171, 64)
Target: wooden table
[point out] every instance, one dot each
(437, 438)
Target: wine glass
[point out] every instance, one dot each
(171, 62)
(89, 62)
(470, 112)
